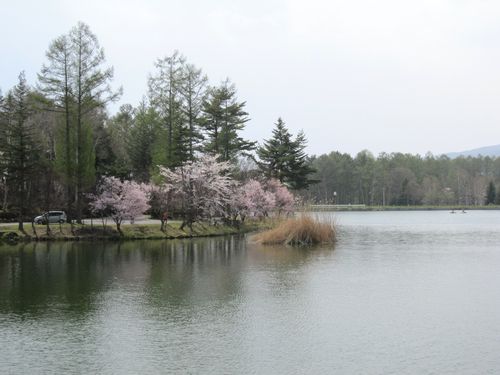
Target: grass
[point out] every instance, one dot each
(65, 232)
(299, 231)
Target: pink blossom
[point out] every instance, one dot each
(256, 200)
(120, 200)
(285, 201)
(202, 188)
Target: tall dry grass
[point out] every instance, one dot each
(299, 231)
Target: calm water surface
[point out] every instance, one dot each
(401, 293)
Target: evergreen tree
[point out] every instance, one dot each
(171, 146)
(114, 139)
(275, 156)
(19, 148)
(141, 141)
(223, 119)
(193, 90)
(300, 167)
(490, 193)
(284, 158)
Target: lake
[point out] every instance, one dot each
(400, 293)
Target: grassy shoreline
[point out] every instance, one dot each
(399, 208)
(97, 232)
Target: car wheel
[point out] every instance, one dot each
(61, 221)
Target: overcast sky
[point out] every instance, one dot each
(384, 75)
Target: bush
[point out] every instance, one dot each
(300, 231)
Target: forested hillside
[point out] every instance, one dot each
(403, 179)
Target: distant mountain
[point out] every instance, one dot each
(492, 151)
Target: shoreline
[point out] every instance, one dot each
(359, 208)
(130, 232)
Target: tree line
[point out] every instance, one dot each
(404, 179)
(57, 140)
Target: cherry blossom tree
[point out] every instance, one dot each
(255, 201)
(120, 200)
(284, 199)
(202, 188)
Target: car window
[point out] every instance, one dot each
(55, 214)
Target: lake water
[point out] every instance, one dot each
(401, 293)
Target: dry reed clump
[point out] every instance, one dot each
(300, 231)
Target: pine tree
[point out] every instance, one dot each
(300, 167)
(223, 119)
(284, 158)
(19, 148)
(275, 156)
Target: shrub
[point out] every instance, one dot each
(303, 230)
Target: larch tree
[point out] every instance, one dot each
(193, 90)
(165, 96)
(92, 90)
(55, 80)
(75, 83)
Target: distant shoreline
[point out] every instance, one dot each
(361, 208)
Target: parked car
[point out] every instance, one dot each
(52, 217)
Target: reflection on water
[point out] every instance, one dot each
(401, 293)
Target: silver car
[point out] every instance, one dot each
(52, 217)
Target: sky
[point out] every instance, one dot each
(383, 75)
